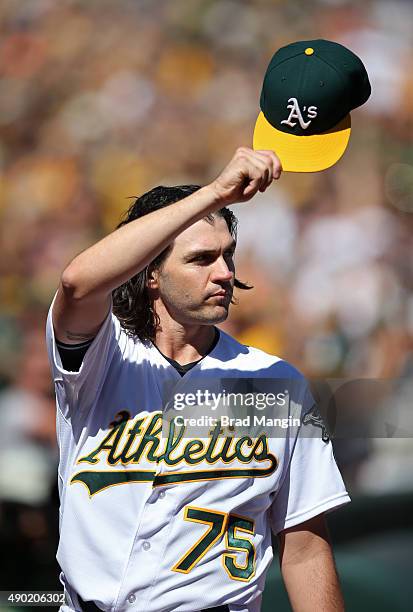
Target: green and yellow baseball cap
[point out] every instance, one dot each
(309, 89)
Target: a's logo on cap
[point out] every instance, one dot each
(295, 113)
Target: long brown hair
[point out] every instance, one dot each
(131, 302)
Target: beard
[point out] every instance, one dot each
(184, 308)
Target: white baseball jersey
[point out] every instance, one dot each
(155, 519)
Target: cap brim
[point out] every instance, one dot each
(303, 153)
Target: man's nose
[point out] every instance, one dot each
(222, 272)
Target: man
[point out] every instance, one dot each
(188, 525)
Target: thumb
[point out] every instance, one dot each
(252, 188)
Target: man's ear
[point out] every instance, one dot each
(152, 278)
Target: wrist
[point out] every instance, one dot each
(212, 197)
(200, 204)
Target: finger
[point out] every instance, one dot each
(268, 163)
(265, 166)
(274, 161)
(271, 157)
(258, 166)
(255, 167)
(266, 179)
(264, 174)
(251, 188)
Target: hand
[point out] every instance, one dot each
(248, 171)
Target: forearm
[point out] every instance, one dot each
(122, 254)
(312, 582)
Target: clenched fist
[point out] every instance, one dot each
(248, 171)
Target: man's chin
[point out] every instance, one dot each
(220, 314)
(214, 315)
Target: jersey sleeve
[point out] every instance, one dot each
(312, 483)
(83, 385)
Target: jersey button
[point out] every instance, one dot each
(131, 598)
(146, 545)
(162, 494)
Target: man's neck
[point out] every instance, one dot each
(185, 344)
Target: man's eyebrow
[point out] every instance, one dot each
(199, 252)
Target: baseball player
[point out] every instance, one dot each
(156, 516)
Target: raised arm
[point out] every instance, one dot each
(83, 298)
(307, 567)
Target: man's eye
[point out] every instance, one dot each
(203, 259)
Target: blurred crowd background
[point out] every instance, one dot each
(102, 100)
